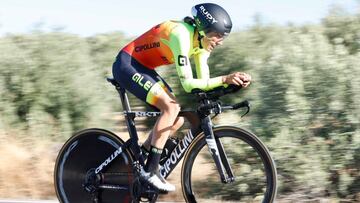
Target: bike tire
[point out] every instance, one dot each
(82, 153)
(254, 169)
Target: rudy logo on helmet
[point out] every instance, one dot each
(211, 17)
(208, 15)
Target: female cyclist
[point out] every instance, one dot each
(168, 43)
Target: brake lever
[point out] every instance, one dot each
(241, 105)
(247, 111)
(218, 109)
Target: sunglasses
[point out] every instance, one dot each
(212, 34)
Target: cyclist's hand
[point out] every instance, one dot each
(246, 79)
(237, 78)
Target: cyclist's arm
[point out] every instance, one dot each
(202, 68)
(181, 46)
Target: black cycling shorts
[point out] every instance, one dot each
(141, 81)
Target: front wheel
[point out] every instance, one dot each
(250, 161)
(74, 174)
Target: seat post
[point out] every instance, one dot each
(130, 123)
(124, 99)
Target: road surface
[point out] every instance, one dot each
(28, 201)
(39, 201)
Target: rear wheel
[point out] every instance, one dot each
(253, 168)
(74, 174)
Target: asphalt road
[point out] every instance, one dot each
(28, 201)
(37, 201)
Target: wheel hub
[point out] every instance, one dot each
(92, 181)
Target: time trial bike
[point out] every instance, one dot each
(221, 163)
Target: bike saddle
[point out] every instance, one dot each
(113, 81)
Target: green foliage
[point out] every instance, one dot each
(343, 28)
(49, 81)
(305, 102)
(304, 94)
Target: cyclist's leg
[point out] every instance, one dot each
(148, 86)
(179, 121)
(145, 84)
(169, 110)
(133, 76)
(165, 123)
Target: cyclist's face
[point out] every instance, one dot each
(211, 40)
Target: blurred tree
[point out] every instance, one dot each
(343, 28)
(49, 81)
(304, 94)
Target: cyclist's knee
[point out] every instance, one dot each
(168, 105)
(180, 121)
(177, 124)
(172, 108)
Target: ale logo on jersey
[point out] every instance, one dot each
(147, 46)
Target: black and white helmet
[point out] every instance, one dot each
(211, 17)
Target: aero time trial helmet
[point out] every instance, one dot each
(212, 18)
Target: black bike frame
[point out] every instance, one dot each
(200, 122)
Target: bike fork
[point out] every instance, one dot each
(217, 152)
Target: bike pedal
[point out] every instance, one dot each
(163, 192)
(89, 188)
